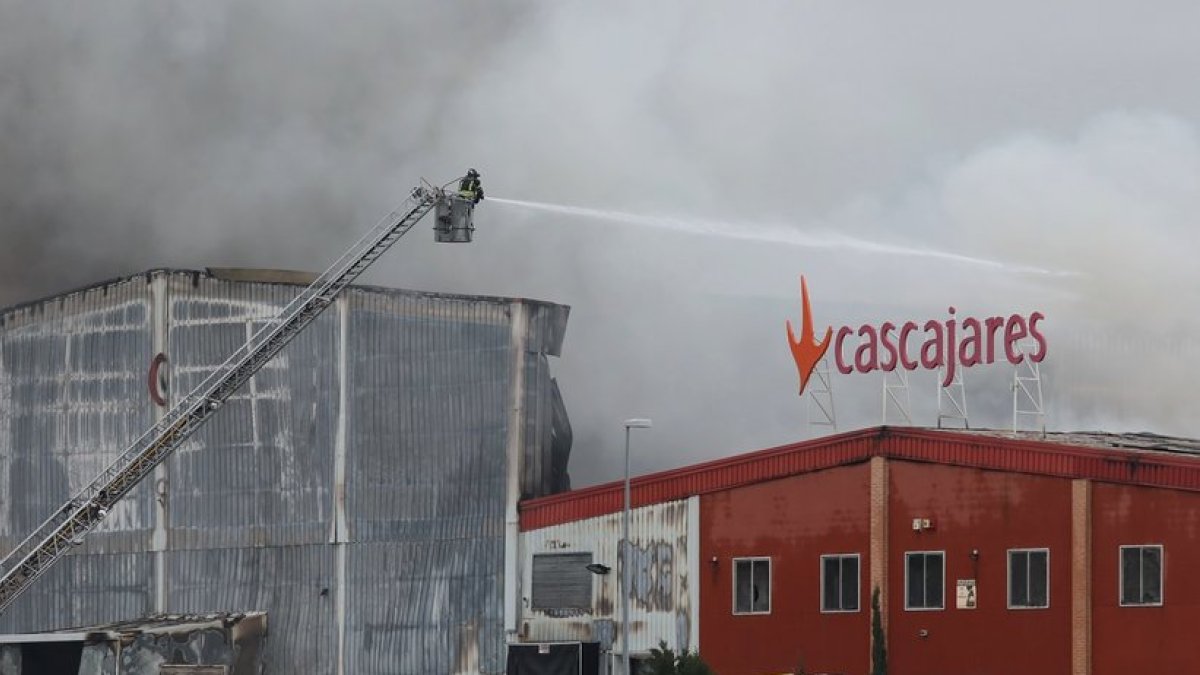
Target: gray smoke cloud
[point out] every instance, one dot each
(268, 134)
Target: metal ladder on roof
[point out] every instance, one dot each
(71, 522)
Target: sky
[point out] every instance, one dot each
(905, 158)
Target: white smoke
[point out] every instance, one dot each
(1046, 137)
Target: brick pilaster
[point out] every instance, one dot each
(1081, 577)
(879, 540)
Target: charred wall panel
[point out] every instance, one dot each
(426, 607)
(428, 399)
(264, 504)
(429, 386)
(84, 589)
(261, 472)
(544, 469)
(72, 396)
(293, 584)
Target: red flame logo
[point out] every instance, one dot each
(807, 351)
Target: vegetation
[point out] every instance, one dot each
(664, 661)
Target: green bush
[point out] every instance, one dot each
(664, 661)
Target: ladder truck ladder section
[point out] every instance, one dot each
(71, 522)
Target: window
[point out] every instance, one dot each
(923, 575)
(751, 585)
(1141, 575)
(561, 581)
(839, 583)
(1028, 578)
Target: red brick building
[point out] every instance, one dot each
(1072, 553)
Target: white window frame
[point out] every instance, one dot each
(1008, 586)
(1162, 576)
(770, 585)
(857, 581)
(907, 608)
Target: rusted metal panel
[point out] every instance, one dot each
(661, 574)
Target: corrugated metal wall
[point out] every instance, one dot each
(662, 578)
(69, 368)
(354, 489)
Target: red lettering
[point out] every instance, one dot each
(993, 324)
(950, 354)
(908, 363)
(1040, 354)
(975, 331)
(931, 351)
(837, 350)
(866, 357)
(948, 345)
(889, 348)
(1013, 333)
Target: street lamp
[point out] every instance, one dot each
(635, 423)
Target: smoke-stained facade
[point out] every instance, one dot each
(358, 488)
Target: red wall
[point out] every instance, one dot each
(793, 520)
(991, 512)
(1145, 639)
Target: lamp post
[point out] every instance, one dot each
(630, 424)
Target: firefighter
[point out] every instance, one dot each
(470, 188)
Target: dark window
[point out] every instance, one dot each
(839, 583)
(752, 586)
(561, 581)
(924, 574)
(1029, 578)
(1141, 575)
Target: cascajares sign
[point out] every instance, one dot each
(947, 344)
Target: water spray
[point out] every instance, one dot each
(774, 234)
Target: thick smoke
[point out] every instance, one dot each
(268, 134)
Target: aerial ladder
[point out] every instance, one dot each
(68, 525)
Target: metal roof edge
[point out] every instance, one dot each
(149, 274)
(722, 462)
(933, 446)
(711, 476)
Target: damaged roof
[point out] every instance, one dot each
(248, 275)
(165, 624)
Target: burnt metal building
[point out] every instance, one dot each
(361, 489)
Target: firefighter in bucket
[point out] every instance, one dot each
(470, 188)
